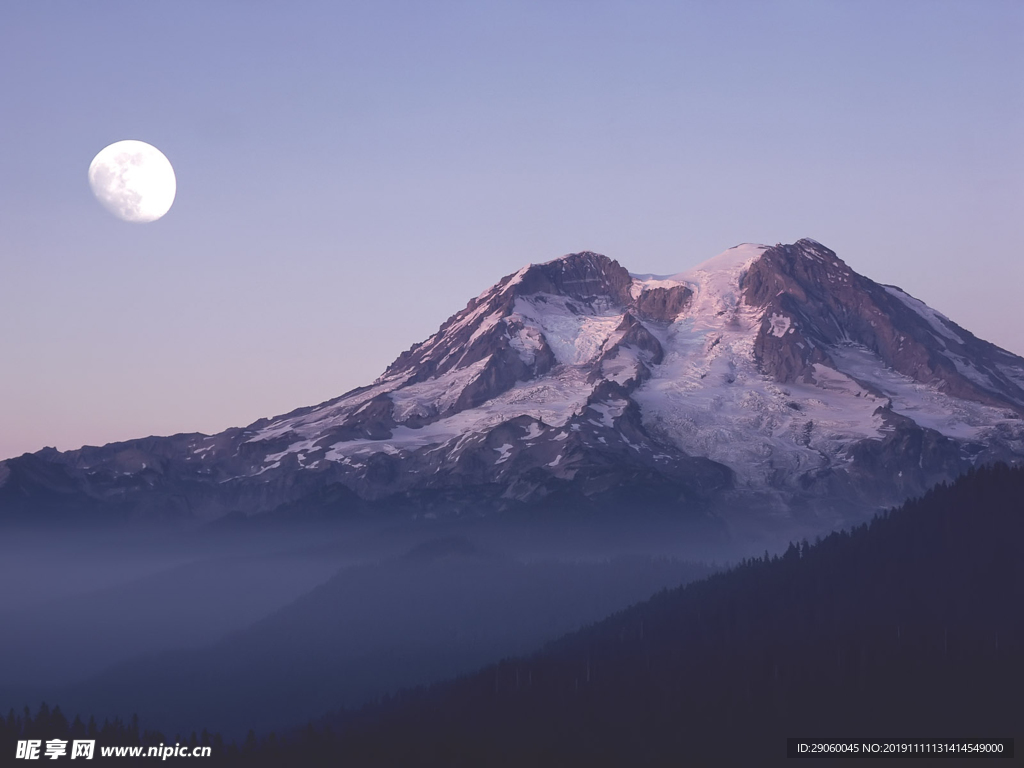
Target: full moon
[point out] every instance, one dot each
(133, 180)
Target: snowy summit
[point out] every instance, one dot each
(765, 378)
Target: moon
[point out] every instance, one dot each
(133, 180)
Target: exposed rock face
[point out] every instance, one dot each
(483, 331)
(812, 301)
(584, 276)
(772, 378)
(662, 304)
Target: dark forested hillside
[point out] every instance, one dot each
(908, 627)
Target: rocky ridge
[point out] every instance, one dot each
(774, 378)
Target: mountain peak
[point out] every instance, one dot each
(805, 248)
(587, 256)
(584, 276)
(764, 375)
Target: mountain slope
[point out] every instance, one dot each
(902, 629)
(766, 380)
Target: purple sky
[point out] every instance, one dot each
(350, 174)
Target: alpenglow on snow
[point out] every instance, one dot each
(765, 379)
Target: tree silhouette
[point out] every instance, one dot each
(908, 626)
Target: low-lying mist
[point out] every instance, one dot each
(244, 626)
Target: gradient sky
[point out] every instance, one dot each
(351, 174)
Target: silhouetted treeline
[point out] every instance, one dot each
(910, 626)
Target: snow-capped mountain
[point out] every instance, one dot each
(771, 378)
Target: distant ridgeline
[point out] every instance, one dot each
(910, 626)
